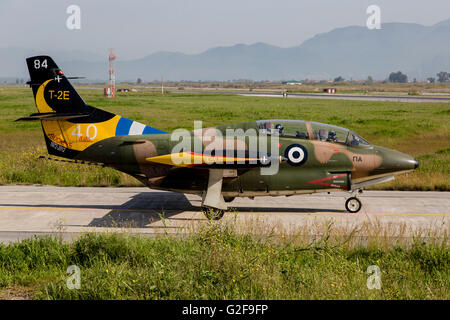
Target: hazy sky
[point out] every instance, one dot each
(137, 28)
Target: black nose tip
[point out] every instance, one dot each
(416, 165)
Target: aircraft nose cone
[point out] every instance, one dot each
(405, 162)
(394, 161)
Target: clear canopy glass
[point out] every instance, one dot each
(311, 131)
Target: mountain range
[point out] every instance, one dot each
(353, 52)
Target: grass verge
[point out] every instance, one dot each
(217, 262)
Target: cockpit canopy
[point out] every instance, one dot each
(311, 131)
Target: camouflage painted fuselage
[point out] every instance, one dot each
(308, 156)
(329, 166)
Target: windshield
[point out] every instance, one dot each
(355, 140)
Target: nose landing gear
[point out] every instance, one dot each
(353, 204)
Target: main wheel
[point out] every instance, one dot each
(213, 213)
(353, 205)
(228, 199)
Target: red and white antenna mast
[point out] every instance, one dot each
(112, 75)
(162, 87)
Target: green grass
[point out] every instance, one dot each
(419, 129)
(32, 170)
(218, 263)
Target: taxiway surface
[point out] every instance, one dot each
(36, 210)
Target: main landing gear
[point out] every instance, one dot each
(228, 199)
(213, 213)
(353, 204)
(213, 203)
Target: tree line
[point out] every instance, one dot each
(400, 77)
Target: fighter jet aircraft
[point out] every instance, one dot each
(256, 158)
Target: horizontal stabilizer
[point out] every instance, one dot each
(52, 116)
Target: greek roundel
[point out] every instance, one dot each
(296, 154)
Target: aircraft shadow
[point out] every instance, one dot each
(133, 215)
(146, 208)
(149, 207)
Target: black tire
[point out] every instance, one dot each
(213, 213)
(228, 199)
(353, 205)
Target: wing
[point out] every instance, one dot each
(227, 159)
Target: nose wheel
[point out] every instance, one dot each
(353, 205)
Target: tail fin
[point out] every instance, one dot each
(69, 124)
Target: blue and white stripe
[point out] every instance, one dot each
(127, 127)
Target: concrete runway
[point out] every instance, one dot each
(326, 96)
(35, 210)
(354, 97)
